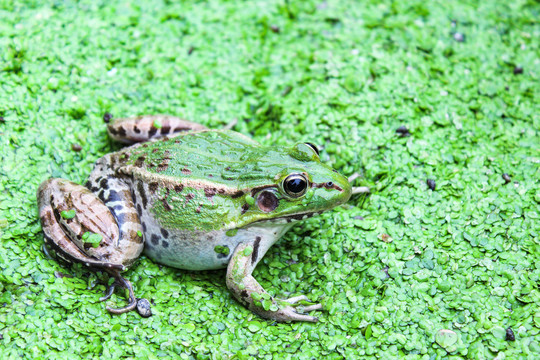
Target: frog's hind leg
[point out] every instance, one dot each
(93, 229)
(143, 128)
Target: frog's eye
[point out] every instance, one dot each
(313, 147)
(295, 185)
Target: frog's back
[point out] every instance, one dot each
(222, 157)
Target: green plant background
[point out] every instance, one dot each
(406, 272)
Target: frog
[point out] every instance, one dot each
(191, 198)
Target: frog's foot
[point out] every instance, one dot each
(143, 128)
(250, 293)
(123, 283)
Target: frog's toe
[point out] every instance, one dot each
(131, 306)
(296, 299)
(289, 313)
(299, 298)
(109, 292)
(313, 307)
(120, 281)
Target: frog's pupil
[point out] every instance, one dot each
(296, 185)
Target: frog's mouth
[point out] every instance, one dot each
(290, 218)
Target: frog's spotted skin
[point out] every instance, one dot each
(198, 200)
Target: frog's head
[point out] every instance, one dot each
(298, 186)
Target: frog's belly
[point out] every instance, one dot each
(190, 250)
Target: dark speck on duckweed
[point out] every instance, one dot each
(402, 273)
(107, 117)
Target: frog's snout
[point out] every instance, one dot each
(346, 189)
(337, 190)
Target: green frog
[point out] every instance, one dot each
(191, 198)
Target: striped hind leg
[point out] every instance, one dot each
(79, 227)
(143, 128)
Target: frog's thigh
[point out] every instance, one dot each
(251, 294)
(70, 213)
(145, 127)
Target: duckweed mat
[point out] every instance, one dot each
(434, 104)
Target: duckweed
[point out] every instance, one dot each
(434, 105)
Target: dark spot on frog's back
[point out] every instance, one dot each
(122, 158)
(142, 194)
(166, 205)
(104, 184)
(113, 161)
(121, 131)
(165, 244)
(209, 192)
(162, 167)
(152, 131)
(154, 239)
(178, 188)
(164, 233)
(136, 129)
(139, 162)
(153, 186)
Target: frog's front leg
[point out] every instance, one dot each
(251, 294)
(100, 230)
(143, 128)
